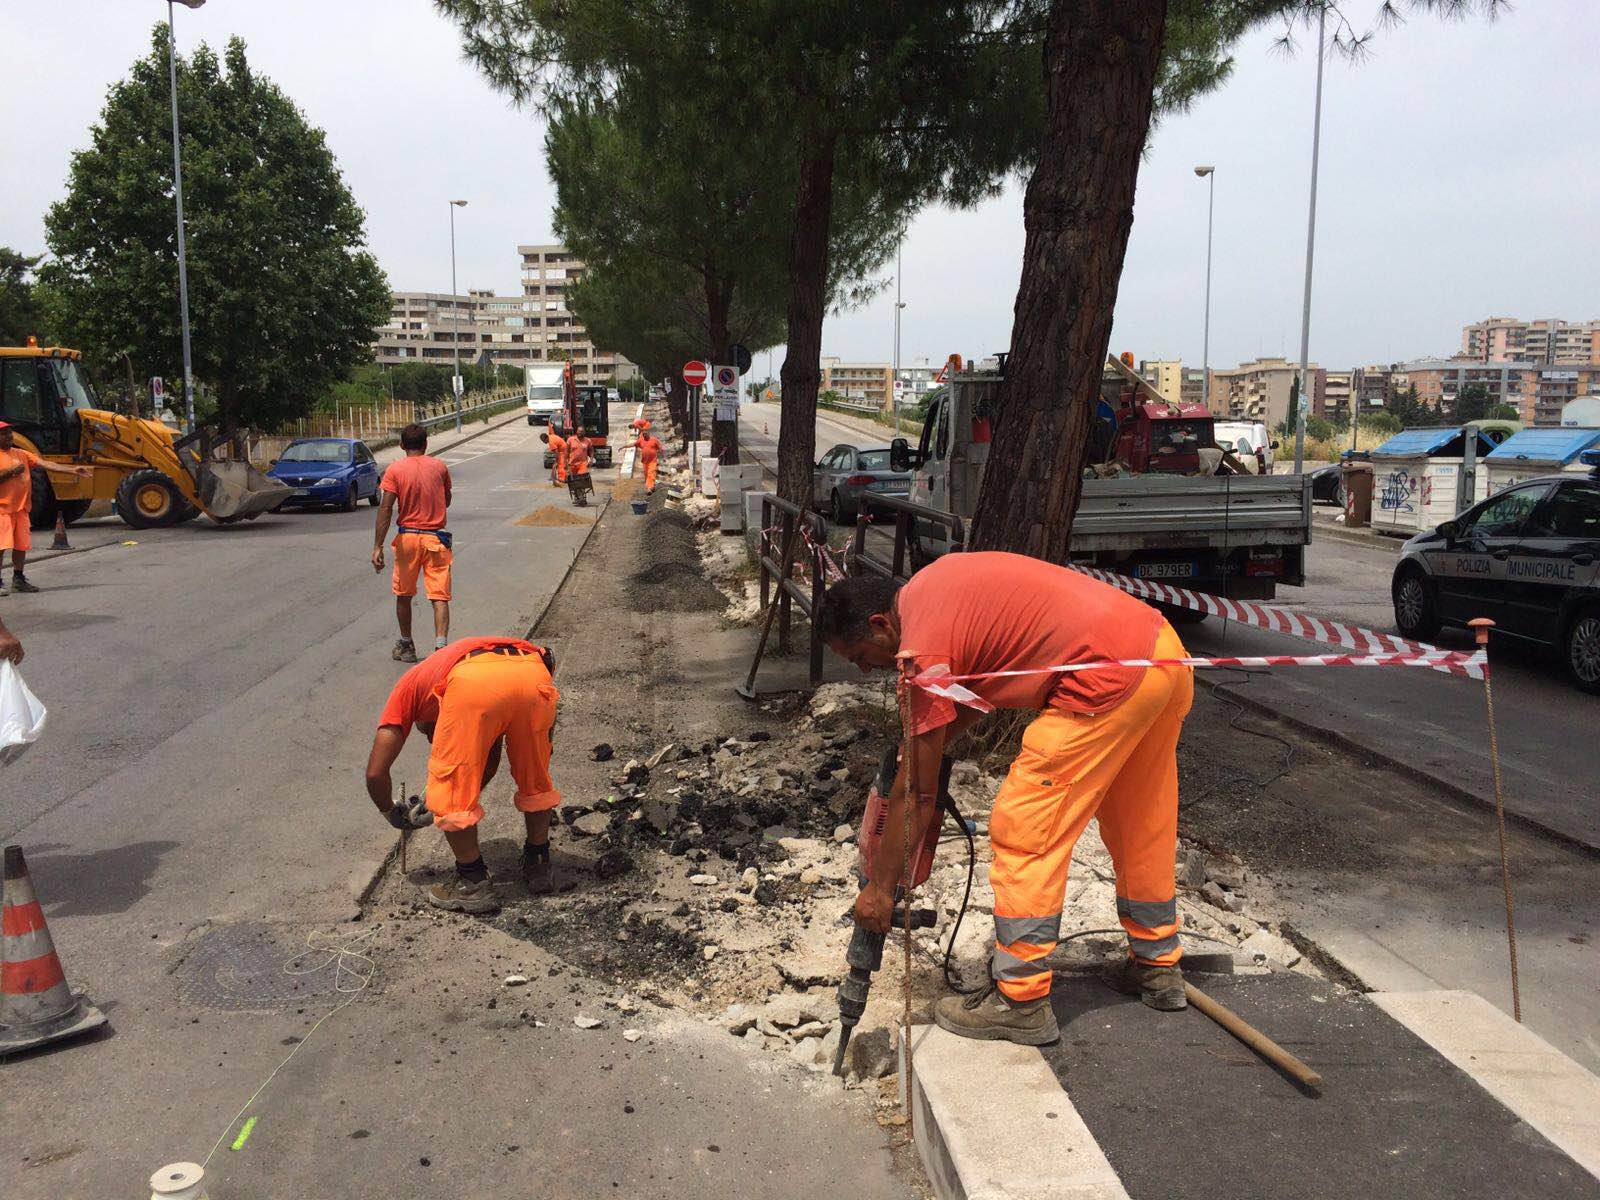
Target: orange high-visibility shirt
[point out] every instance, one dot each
(416, 695)
(419, 483)
(649, 448)
(990, 611)
(16, 495)
(577, 456)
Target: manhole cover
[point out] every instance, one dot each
(257, 967)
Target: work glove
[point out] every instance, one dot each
(409, 813)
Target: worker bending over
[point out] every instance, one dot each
(417, 487)
(649, 447)
(468, 699)
(578, 480)
(16, 504)
(558, 455)
(1104, 744)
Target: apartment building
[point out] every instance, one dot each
(547, 272)
(1439, 380)
(860, 383)
(1165, 375)
(1192, 389)
(1333, 394)
(1549, 341)
(428, 326)
(1258, 390)
(1372, 386)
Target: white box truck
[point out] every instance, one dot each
(545, 395)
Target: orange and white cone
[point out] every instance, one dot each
(61, 542)
(36, 1006)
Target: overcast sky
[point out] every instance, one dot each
(1460, 175)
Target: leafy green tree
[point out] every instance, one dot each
(283, 296)
(20, 314)
(1503, 412)
(1472, 403)
(1380, 422)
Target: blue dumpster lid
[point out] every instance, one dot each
(1418, 443)
(1550, 445)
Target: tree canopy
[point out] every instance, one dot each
(283, 295)
(20, 314)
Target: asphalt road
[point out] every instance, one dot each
(198, 799)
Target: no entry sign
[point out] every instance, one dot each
(694, 372)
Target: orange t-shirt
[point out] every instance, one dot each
(990, 611)
(416, 695)
(558, 445)
(16, 494)
(577, 456)
(649, 448)
(419, 483)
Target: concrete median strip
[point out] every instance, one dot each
(1513, 1064)
(992, 1121)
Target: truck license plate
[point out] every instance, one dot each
(1165, 570)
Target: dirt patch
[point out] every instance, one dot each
(550, 515)
(669, 578)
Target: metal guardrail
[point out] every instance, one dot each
(506, 399)
(802, 535)
(907, 539)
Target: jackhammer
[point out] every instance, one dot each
(865, 954)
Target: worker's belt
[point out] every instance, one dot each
(443, 535)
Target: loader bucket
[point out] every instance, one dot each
(236, 491)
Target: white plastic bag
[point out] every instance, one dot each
(21, 714)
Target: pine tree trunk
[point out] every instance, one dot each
(724, 434)
(678, 405)
(808, 302)
(1100, 62)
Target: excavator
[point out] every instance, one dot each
(156, 477)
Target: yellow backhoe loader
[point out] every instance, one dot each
(155, 476)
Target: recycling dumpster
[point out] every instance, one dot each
(1533, 452)
(1416, 476)
(1357, 477)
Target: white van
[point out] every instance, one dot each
(546, 397)
(1245, 439)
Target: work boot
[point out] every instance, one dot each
(990, 1016)
(1159, 987)
(20, 584)
(540, 878)
(404, 651)
(462, 895)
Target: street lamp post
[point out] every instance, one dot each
(177, 192)
(455, 314)
(894, 382)
(1311, 237)
(1209, 174)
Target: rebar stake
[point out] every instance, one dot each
(907, 666)
(1480, 629)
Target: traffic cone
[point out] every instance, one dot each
(36, 1006)
(61, 542)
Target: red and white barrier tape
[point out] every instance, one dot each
(1368, 643)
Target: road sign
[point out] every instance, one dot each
(158, 391)
(741, 358)
(458, 384)
(725, 393)
(694, 372)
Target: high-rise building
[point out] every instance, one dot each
(547, 272)
(1193, 388)
(1165, 375)
(1548, 340)
(1256, 391)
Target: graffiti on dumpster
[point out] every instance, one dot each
(1398, 493)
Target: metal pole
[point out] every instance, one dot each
(177, 191)
(455, 317)
(1205, 352)
(895, 381)
(1311, 237)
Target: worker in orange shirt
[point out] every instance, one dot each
(649, 448)
(558, 456)
(578, 468)
(16, 504)
(470, 699)
(417, 489)
(1104, 744)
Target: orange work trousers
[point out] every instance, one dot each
(558, 467)
(649, 474)
(487, 697)
(1120, 766)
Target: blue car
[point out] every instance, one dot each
(338, 471)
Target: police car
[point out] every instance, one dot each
(1528, 557)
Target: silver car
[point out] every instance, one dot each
(846, 472)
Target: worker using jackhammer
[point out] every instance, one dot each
(469, 699)
(1104, 744)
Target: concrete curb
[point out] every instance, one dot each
(47, 555)
(364, 882)
(985, 1143)
(1513, 1064)
(1352, 537)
